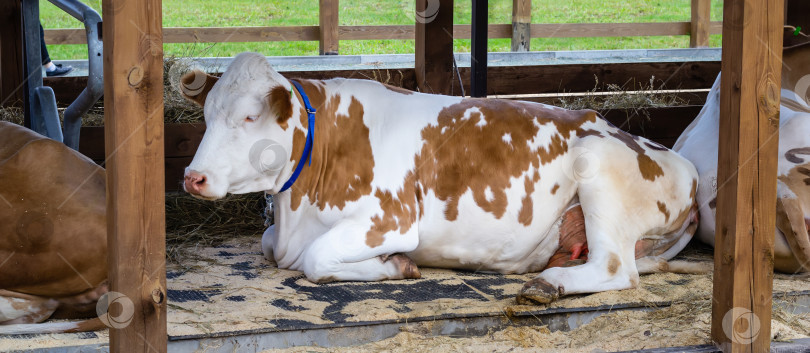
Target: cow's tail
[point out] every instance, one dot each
(53, 327)
(647, 265)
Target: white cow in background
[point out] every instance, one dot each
(699, 144)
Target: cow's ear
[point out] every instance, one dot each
(195, 86)
(280, 102)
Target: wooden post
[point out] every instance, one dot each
(478, 57)
(434, 46)
(11, 49)
(746, 178)
(521, 25)
(328, 42)
(701, 15)
(133, 132)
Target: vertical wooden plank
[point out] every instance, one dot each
(434, 46)
(328, 42)
(521, 25)
(478, 55)
(133, 121)
(746, 178)
(11, 49)
(701, 15)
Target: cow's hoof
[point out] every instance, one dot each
(406, 266)
(537, 291)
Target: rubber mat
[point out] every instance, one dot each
(232, 289)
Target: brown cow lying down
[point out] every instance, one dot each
(53, 239)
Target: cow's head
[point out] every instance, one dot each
(247, 139)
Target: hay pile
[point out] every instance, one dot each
(627, 96)
(176, 109)
(192, 223)
(12, 114)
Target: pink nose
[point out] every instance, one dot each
(194, 182)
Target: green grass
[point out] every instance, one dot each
(222, 13)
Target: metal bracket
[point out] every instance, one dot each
(41, 114)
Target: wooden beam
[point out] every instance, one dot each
(11, 58)
(434, 46)
(239, 34)
(505, 79)
(746, 178)
(521, 25)
(404, 32)
(328, 38)
(701, 16)
(133, 118)
(478, 55)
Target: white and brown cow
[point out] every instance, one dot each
(399, 179)
(699, 143)
(53, 236)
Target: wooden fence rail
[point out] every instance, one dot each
(328, 33)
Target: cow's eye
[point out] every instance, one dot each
(250, 118)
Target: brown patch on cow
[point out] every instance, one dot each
(526, 212)
(316, 93)
(663, 208)
(459, 155)
(399, 90)
(196, 85)
(792, 157)
(806, 172)
(589, 132)
(398, 213)
(797, 180)
(613, 264)
(649, 168)
(713, 203)
(655, 145)
(280, 104)
(341, 152)
(555, 188)
(693, 190)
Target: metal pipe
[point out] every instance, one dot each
(95, 77)
(73, 7)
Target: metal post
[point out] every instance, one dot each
(478, 58)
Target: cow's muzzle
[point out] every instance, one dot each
(194, 182)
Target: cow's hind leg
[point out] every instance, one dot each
(610, 265)
(18, 308)
(346, 253)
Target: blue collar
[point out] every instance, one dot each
(307, 154)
